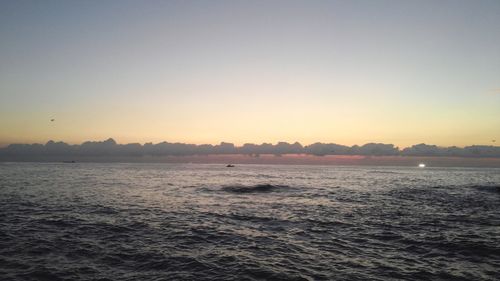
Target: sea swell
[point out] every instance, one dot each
(258, 188)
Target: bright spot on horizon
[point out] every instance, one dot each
(421, 165)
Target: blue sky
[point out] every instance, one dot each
(350, 72)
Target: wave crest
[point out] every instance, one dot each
(258, 188)
(488, 188)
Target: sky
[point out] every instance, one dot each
(349, 72)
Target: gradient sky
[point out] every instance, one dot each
(349, 72)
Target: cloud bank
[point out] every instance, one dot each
(109, 147)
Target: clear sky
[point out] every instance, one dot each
(349, 72)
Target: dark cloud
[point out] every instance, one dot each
(109, 147)
(468, 151)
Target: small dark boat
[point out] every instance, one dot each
(72, 161)
(229, 166)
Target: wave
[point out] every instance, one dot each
(384, 172)
(258, 188)
(488, 188)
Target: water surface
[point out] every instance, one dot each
(252, 222)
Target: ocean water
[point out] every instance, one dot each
(87, 221)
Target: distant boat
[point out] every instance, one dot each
(421, 165)
(72, 161)
(229, 166)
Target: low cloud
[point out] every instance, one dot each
(452, 151)
(109, 147)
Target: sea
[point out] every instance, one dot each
(112, 221)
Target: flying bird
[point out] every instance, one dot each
(52, 120)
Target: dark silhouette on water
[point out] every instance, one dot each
(229, 166)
